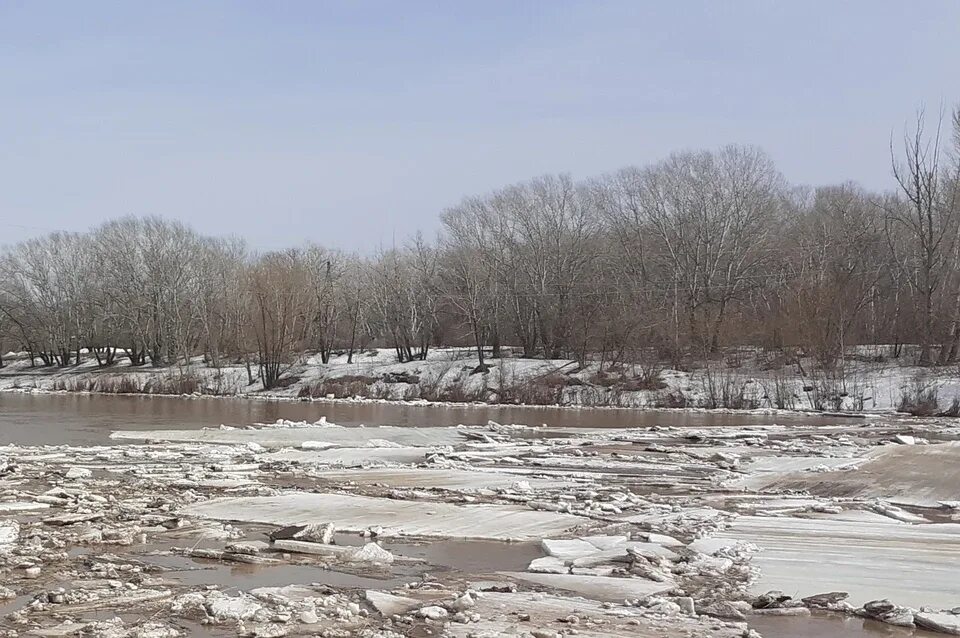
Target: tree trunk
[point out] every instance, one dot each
(135, 355)
(353, 342)
(477, 338)
(717, 325)
(948, 350)
(927, 337)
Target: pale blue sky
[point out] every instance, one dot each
(349, 123)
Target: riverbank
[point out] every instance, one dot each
(453, 377)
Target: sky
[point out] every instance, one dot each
(354, 124)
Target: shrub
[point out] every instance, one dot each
(922, 398)
(723, 388)
(645, 380)
(545, 390)
(675, 399)
(83, 385)
(285, 382)
(605, 379)
(602, 397)
(339, 387)
(173, 384)
(920, 401)
(953, 410)
(306, 391)
(400, 377)
(380, 391)
(454, 393)
(784, 397)
(121, 384)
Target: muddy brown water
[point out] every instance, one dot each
(246, 577)
(80, 419)
(464, 557)
(833, 626)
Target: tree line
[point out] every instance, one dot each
(682, 258)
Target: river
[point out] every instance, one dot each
(88, 419)
(78, 419)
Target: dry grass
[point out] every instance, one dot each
(176, 383)
(344, 387)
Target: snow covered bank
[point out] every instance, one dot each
(451, 376)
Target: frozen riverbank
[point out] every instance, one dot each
(305, 528)
(452, 377)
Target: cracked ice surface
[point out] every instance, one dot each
(295, 437)
(867, 559)
(357, 513)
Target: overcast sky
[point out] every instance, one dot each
(351, 123)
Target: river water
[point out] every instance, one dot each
(81, 419)
(833, 626)
(77, 419)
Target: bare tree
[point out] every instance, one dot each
(45, 281)
(279, 289)
(356, 305)
(710, 216)
(685, 257)
(327, 272)
(834, 256)
(927, 216)
(404, 287)
(218, 304)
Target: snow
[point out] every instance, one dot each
(863, 385)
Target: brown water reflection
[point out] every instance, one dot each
(832, 626)
(50, 419)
